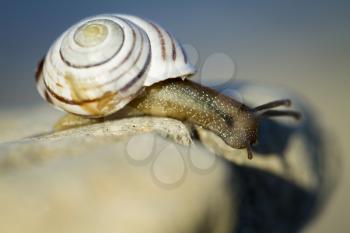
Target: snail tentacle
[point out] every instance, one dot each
(274, 104)
(278, 113)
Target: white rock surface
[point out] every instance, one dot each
(124, 176)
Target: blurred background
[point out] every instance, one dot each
(301, 45)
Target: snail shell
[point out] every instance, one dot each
(101, 63)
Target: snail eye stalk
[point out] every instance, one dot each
(273, 104)
(277, 113)
(249, 152)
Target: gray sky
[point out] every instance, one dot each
(265, 38)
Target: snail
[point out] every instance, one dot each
(109, 63)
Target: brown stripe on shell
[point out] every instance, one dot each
(121, 63)
(102, 102)
(105, 101)
(173, 47)
(68, 101)
(139, 75)
(133, 65)
(102, 98)
(125, 72)
(161, 39)
(130, 52)
(39, 70)
(92, 65)
(48, 98)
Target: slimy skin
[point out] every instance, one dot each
(235, 123)
(192, 103)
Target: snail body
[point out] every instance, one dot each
(103, 63)
(190, 102)
(234, 122)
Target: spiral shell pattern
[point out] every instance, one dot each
(101, 63)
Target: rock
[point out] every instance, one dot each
(147, 175)
(107, 177)
(27, 121)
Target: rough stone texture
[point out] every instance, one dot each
(27, 121)
(124, 176)
(90, 184)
